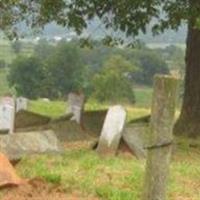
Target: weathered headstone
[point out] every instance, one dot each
(112, 130)
(7, 114)
(134, 137)
(21, 104)
(76, 105)
(160, 138)
(15, 146)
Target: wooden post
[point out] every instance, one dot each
(160, 137)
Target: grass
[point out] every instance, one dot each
(143, 96)
(7, 53)
(58, 108)
(112, 178)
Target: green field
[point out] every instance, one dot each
(7, 54)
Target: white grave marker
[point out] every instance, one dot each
(7, 114)
(112, 130)
(21, 104)
(76, 105)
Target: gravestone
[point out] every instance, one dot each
(17, 145)
(112, 130)
(135, 137)
(7, 114)
(76, 105)
(21, 104)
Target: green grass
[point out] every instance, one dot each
(58, 108)
(112, 178)
(7, 53)
(52, 108)
(143, 96)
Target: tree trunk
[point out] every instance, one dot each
(189, 120)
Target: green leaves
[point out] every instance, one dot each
(113, 83)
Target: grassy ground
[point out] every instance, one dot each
(81, 170)
(114, 178)
(58, 108)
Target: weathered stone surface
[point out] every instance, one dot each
(18, 145)
(7, 114)
(135, 137)
(112, 130)
(25, 119)
(160, 140)
(8, 175)
(76, 105)
(21, 104)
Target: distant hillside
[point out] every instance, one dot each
(169, 36)
(97, 31)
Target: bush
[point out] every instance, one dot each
(26, 75)
(113, 83)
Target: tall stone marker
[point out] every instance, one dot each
(76, 105)
(21, 104)
(112, 130)
(160, 138)
(7, 114)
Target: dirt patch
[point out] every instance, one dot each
(37, 189)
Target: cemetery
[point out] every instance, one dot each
(99, 100)
(28, 138)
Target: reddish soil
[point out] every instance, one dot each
(38, 189)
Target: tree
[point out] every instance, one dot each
(148, 61)
(52, 71)
(113, 83)
(26, 75)
(130, 17)
(65, 68)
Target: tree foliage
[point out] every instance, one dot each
(113, 83)
(130, 17)
(150, 63)
(50, 72)
(26, 76)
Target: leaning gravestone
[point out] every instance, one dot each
(7, 114)
(15, 146)
(76, 105)
(136, 138)
(21, 104)
(112, 130)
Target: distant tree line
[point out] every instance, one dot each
(106, 73)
